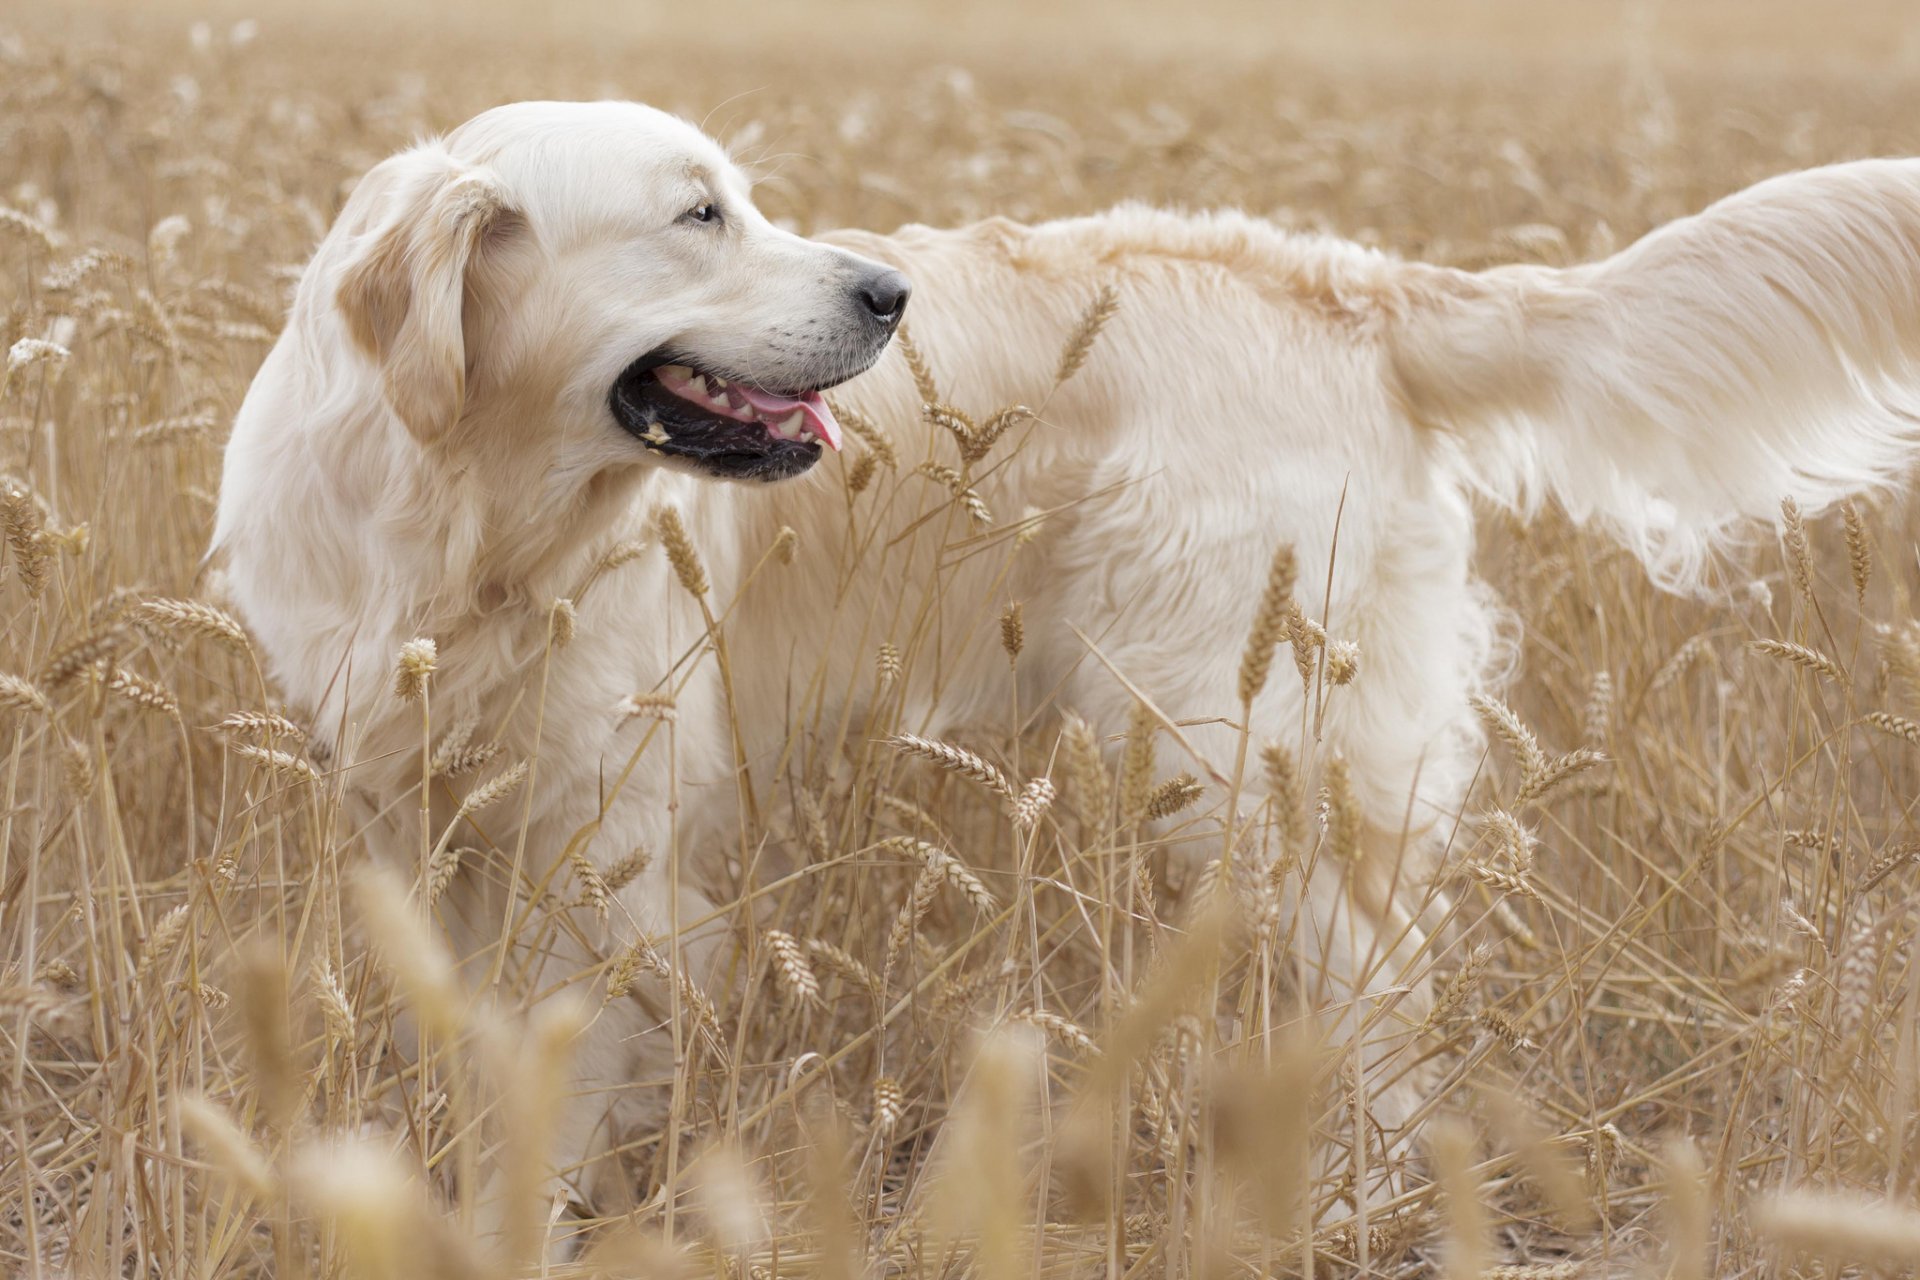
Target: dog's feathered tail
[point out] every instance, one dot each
(1766, 348)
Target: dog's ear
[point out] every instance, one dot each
(404, 293)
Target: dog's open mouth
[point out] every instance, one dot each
(723, 426)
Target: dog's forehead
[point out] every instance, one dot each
(575, 160)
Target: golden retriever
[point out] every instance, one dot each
(521, 341)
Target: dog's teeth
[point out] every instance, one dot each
(789, 426)
(806, 435)
(698, 383)
(718, 381)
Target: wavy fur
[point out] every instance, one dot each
(1762, 349)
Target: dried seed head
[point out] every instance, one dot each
(1343, 661)
(956, 484)
(860, 472)
(988, 433)
(790, 966)
(563, 621)
(335, 1008)
(225, 1145)
(886, 664)
(840, 961)
(162, 940)
(192, 617)
(81, 775)
(26, 536)
(442, 866)
(29, 353)
(1842, 1225)
(1859, 549)
(497, 788)
(863, 429)
(1087, 770)
(813, 826)
(1451, 1148)
(889, 1104)
(1013, 631)
(955, 760)
(1853, 986)
(786, 544)
(1136, 760)
(1800, 656)
(1803, 926)
(1344, 819)
(594, 893)
(624, 552)
(1175, 795)
(1786, 998)
(1033, 803)
(283, 763)
(1799, 552)
(1898, 726)
(1271, 622)
(1504, 1029)
(1599, 710)
(923, 381)
(20, 694)
(954, 423)
(926, 887)
(67, 664)
(961, 876)
(1080, 343)
(1678, 665)
(1288, 799)
(21, 226)
(1452, 999)
(652, 706)
(686, 562)
(418, 659)
(627, 870)
(1501, 879)
(1507, 726)
(1308, 638)
(262, 724)
(1064, 1030)
(141, 692)
(1512, 841)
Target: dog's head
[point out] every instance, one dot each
(592, 281)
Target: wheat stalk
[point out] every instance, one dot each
(681, 554)
(1859, 549)
(1270, 623)
(1079, 344)
(1800, 656)
(956, 760)
(17, 693)
(790, 965)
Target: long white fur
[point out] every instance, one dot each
(1762, 349)
(1256, 387)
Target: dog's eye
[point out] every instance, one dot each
(705, 212)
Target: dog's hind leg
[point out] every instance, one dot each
(1362, 953)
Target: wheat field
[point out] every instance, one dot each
(1675, 1032)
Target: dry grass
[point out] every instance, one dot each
(980, 1025)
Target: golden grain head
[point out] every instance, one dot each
(419, 658)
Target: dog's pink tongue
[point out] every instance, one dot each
(772, 408)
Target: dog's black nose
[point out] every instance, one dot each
(885, 294)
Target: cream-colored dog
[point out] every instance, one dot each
(519, 341)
